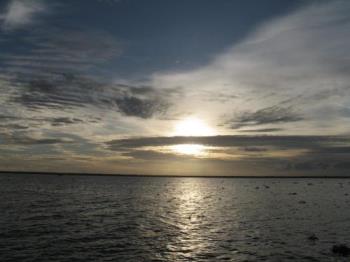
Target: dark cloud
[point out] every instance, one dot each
(262, 130)
(49, 144)
(314, 153)
(63, 91)
(143, 108)
(30, 141)
(44, 141)
(317, 164)
(332, 150)
(13, 126)
(8, 117)
(342, 165)
(281, 142)
(14, 122)
(144, 101)
(62, 121)
(326, 157)
(57, 92)
(268, 115)
(254, 149)
(308, 166)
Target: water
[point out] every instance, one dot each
(85, 218)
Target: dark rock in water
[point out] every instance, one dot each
(341, 250)
(292, 194)
(302, 202)
(313, 237)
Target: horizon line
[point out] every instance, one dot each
(147, 175)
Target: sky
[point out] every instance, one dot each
(175, 87)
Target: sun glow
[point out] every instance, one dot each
(192, 127)
(189, 149)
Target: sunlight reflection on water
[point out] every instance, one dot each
(191, 209)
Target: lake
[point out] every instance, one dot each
(92, 218)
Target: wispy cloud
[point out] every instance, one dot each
(30, 141)
(63, 91)
(269, 115)
(298, 62)
(60, 50)
(21, 13)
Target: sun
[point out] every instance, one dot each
(192, 126)
(189, 149)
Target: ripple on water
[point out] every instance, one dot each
(52, 218)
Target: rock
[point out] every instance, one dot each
(341, 250)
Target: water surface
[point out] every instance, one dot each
(89, 218)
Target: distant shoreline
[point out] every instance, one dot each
(141, 175)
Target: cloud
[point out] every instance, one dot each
(55, 74)
(317, 164)
(254, 149)
(289, 76)
(282, 75)
(80, 45)
(24, 140)
(277, 78)
(269, 115)
(63, 91)
(17, 123)
(153, 155)
(281, 154)
(62, 121)
(343, 165)
(51, 49)
(261, 130)
(282, 142)
(21, 13)
(143, 108)
(13, 126)
(58, 91)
